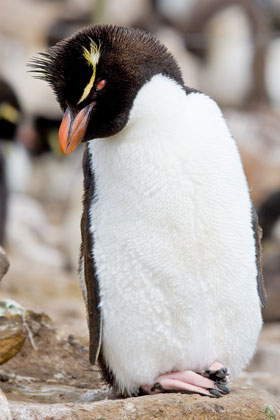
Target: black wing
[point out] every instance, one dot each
(258, 237)
(92, 297)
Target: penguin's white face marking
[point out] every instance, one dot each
(171, 226)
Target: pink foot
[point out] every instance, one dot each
(189, 382)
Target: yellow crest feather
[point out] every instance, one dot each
(92, 56)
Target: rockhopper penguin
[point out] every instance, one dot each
(170, 256)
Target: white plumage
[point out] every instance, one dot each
(174, 246)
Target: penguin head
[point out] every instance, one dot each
(96, 74)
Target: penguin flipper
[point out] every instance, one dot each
(91, 285)
(258, 237)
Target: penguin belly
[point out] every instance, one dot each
(174, 246)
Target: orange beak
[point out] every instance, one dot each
(71, 132)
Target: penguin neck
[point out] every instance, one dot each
(156, 108)
(155, 130)
(156, 100)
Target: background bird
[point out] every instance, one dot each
(9, 118)
(170, 265)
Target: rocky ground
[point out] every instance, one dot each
(243, 403)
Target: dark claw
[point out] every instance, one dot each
(205, 374)
(223, 381)
(157, 385)
(221, 373)
(215, 393)
(222, 388)
(220, 376)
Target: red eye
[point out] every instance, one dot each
(100, 85)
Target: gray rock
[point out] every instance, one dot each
(242, 403)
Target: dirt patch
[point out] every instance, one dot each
(51, 367)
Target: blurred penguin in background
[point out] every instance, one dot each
(9, 117)
(218, 34)
(223, 33)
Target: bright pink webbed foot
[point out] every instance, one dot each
(191, 382)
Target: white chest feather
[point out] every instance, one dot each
(174, 246)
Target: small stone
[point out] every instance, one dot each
(4, 378)
(12, 336)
